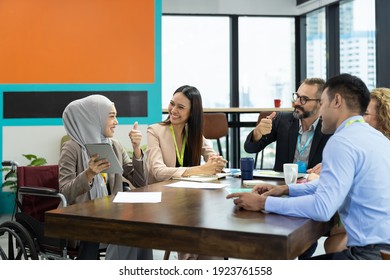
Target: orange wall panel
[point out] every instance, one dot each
(77, 41)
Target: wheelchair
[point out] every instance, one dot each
(37, 192)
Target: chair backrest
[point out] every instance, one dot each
(38, 176)
(215, 125)
(385, 254)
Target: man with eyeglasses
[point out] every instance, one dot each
(354, 181)
(297, 134)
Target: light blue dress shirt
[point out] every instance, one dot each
(355, 181)
(305, 143)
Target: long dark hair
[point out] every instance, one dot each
(194, 123)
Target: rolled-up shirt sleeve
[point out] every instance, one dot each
(319, 199)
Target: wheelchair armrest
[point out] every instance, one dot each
(37, 190)
(42, 191)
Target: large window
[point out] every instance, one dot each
(196, 51)
(266, 61)
(316, 44)
(266, 70)
(357, 40)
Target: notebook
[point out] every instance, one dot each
(202, 178)
(272, 174)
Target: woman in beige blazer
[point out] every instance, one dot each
(176, 145)
(93, 120)
(161, 154)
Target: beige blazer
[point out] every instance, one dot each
(161, 154)
(73, 181)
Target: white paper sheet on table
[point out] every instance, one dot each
(196, 185)
(137, 197)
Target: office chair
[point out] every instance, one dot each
(215, 126)
(262, 115)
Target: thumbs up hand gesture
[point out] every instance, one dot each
(264, 127)
(135, 138)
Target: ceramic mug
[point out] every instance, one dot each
(290, 171)
(277, 103)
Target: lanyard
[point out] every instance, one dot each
(354, 121)
(180, 156)
(303, 149)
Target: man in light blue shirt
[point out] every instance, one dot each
(355, 176)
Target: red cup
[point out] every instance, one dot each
(277, 103)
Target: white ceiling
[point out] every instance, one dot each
(241, 7)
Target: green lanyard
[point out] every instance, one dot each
(180, 156)
(354, 121)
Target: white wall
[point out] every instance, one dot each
(44, 141)
(241, 7)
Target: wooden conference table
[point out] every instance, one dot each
(199, 221)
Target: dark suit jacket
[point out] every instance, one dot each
(285, 132)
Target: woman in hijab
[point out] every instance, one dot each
(93, 120)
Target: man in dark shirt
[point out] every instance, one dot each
(297, 134)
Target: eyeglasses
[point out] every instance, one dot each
(303, 99)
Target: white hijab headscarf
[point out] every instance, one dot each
(85, 120)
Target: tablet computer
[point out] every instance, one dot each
(104, 150)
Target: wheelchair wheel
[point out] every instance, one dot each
(20, 244)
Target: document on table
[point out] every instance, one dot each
(238, 190)
(272, 174)
(252, 183)
(232, 171)
(137, 197)
(202, 178)
(196, 185)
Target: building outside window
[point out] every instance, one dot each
(316, 44)
(357, 40)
